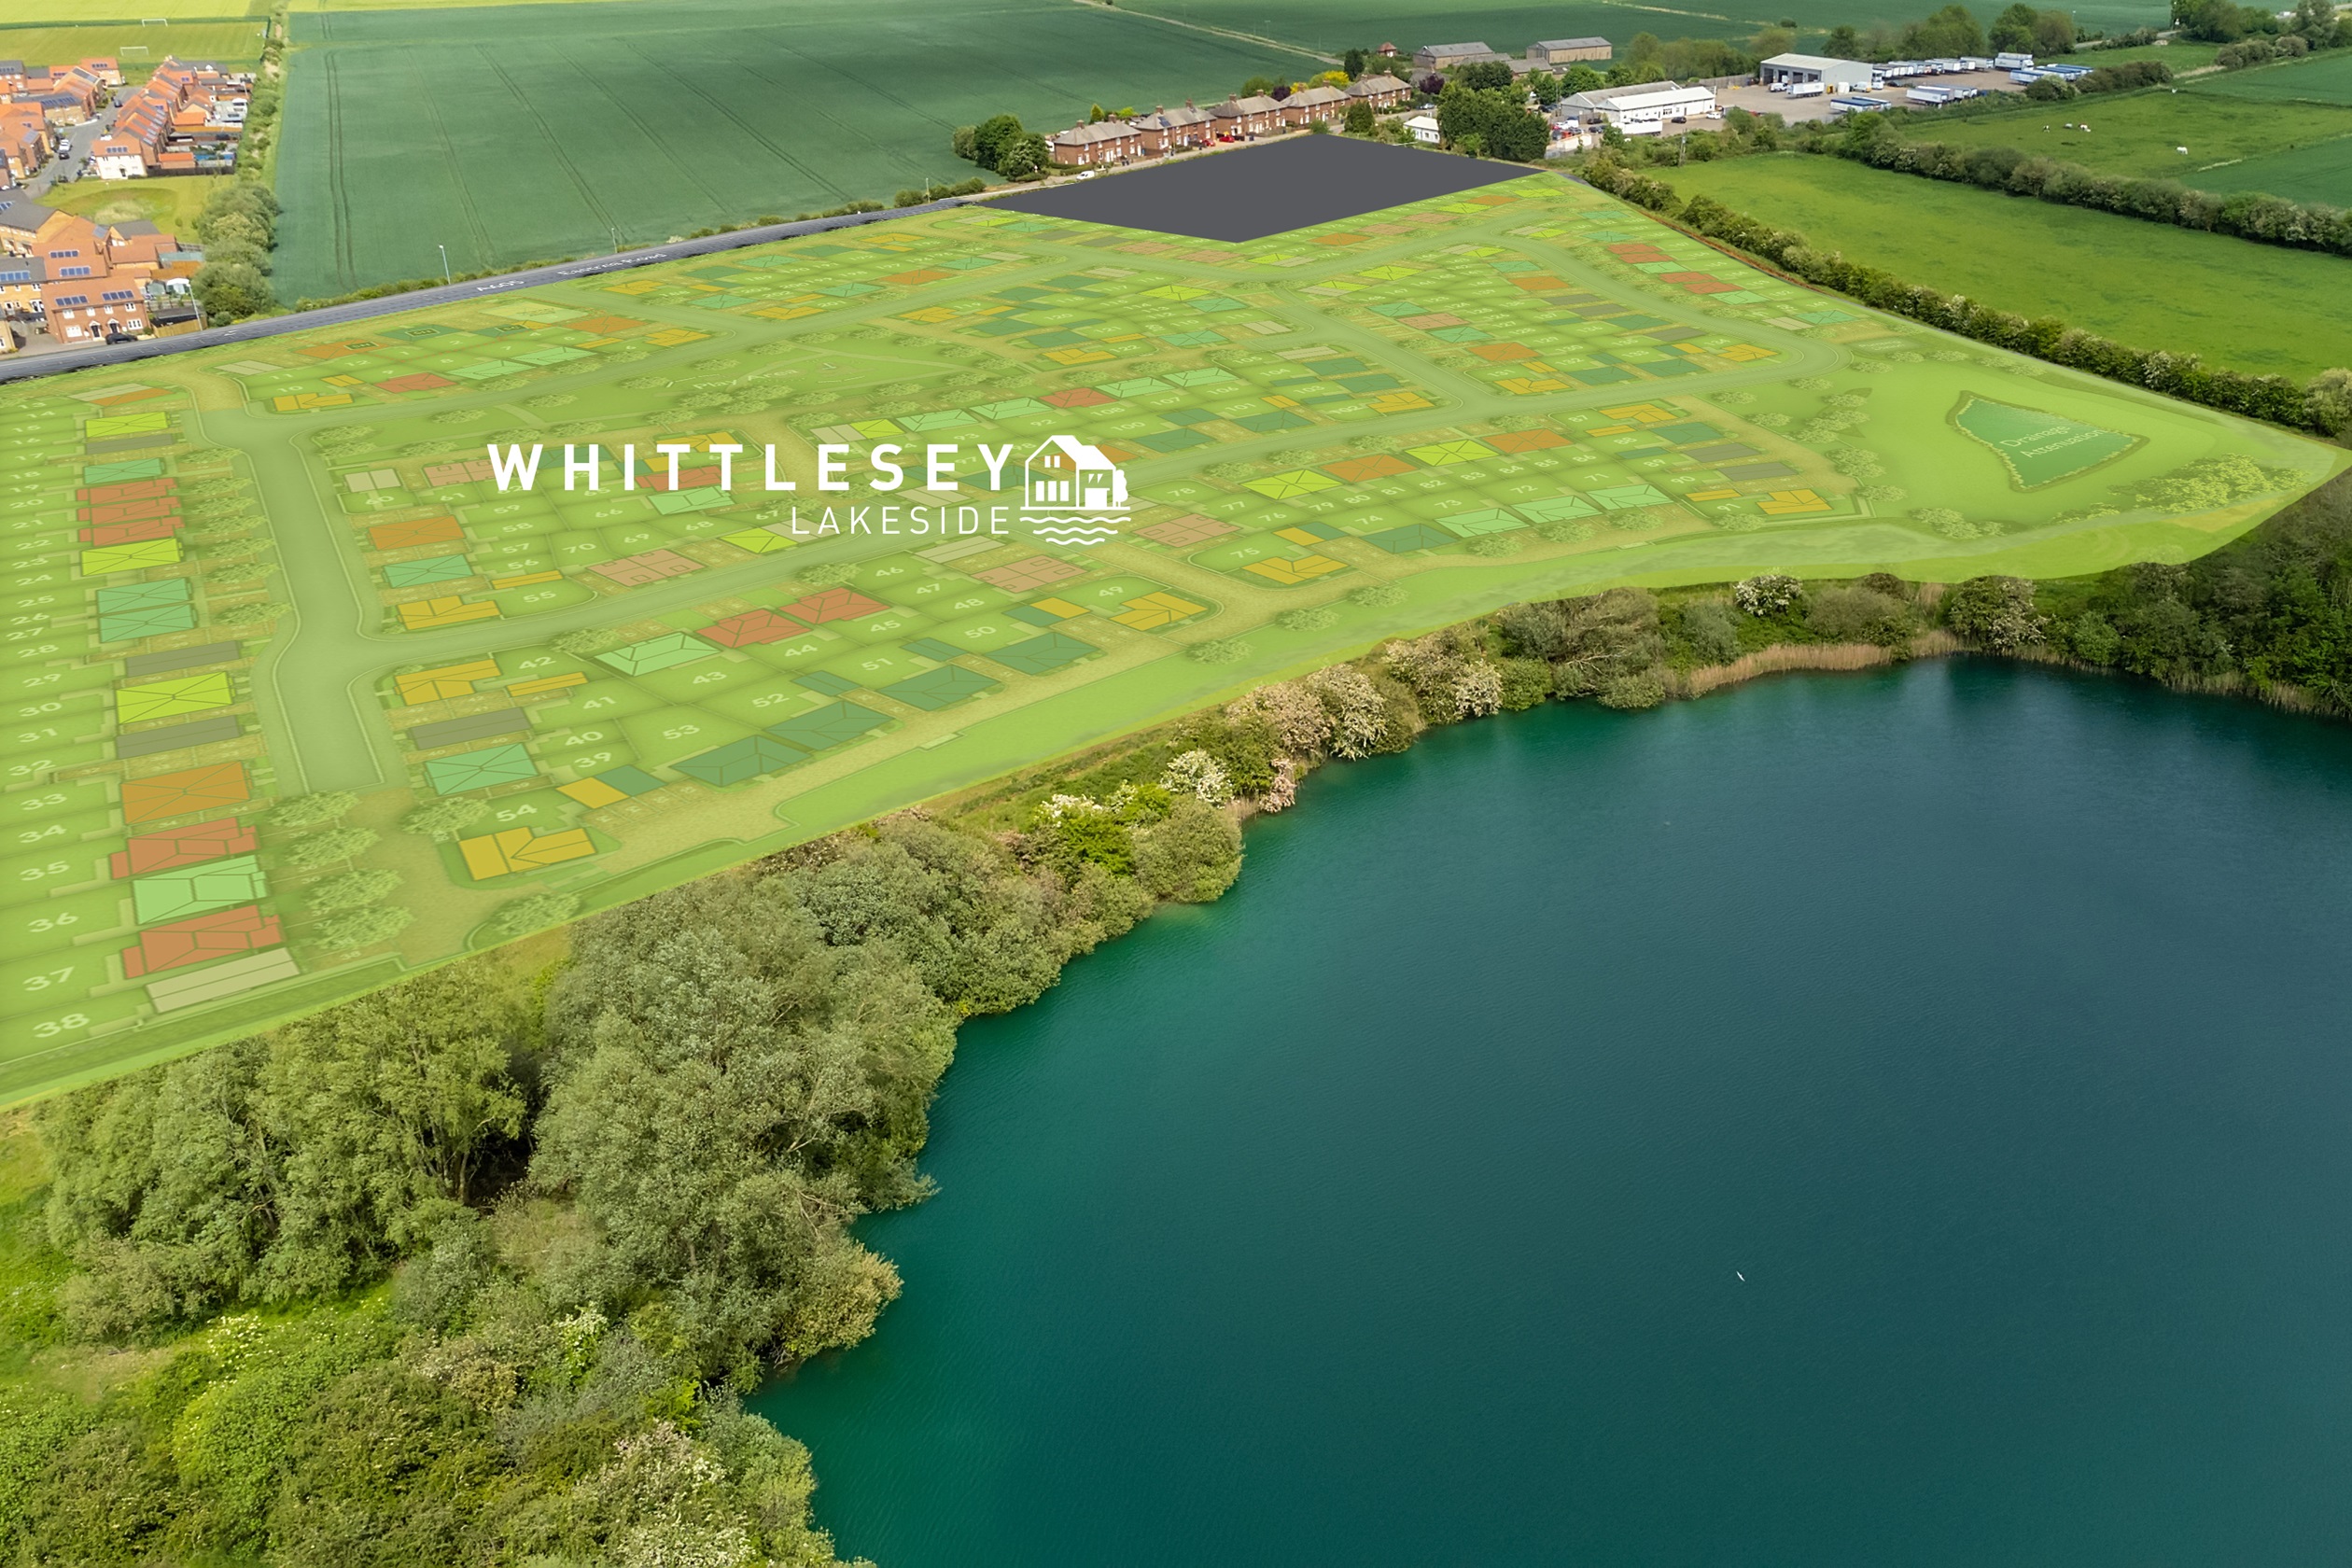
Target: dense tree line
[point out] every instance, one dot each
(2270, 613)
(474, 1268)
(2319, 406)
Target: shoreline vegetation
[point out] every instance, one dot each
(479, 1267)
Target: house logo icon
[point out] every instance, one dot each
(1071, 493)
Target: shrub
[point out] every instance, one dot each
(1768, 594)
(1997, 612)
(1192, 857)
(1377, 596)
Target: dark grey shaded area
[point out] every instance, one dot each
(474, 726)
(131, 443)
(1722, 452)
(140, 665)
(1758, 470)
(171, 738)
(1270, 188)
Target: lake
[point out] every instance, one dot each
(1992, 1022)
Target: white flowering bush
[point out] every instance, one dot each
(1300, 721)
(1199, 775)
(1767, 593)
(1477, 691)
(1359, 718)
(1283, 792)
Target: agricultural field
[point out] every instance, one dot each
(1336, 24)
(248, 576)
(170, 204)
(2234, 144)
(509, 140)
(2251, 307)
(139, 48)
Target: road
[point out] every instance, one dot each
(25, 367)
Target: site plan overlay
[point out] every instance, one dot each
(264, 571)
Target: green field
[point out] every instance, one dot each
(510, 140)
(170, 204)
(2251, 307)
(1390, 424)
(2325, 80)
(2288, 147)
(1336, 24)
(139, 49)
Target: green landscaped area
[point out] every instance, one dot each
(509, 140)
(2251, 307)
(2324, 79)
(1528, 391)
(170, 204)
(2299, 150)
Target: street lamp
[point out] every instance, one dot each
(444, 250)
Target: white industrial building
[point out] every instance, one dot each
(1809, 70)
(1638, 111)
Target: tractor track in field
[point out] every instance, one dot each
(474, 225)
(554, 143)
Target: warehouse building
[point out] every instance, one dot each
(1806, 70)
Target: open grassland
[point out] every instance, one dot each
(2292, 148)
(507, 139)
(170, 204)
(2326, 79)
(501, 704)
(2140, 133)
(2251, 307)
(138, 47)
(1336, 24)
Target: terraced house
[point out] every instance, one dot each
(37, 101)
(79, 279)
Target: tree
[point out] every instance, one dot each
(2053, 33)
(1996, 611)
(312, 811)
(1361, 120)
(439, 819)
(1952, 31)
(1355, 61)
(232, 290)
(993, 138)
(1095, 115)
(1772, 41)
(350, 891)
(1545, 86)
(361, 928)
(2329, 403)
(314, 851)
(2013, 28)
(1192, 857)
(964, 140)
(1483, 73)
(1844, 42)
(1584, 79)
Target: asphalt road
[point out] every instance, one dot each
(22, 367)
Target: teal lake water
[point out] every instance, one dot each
(1992, 1022)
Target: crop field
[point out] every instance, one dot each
(2248, 306)
(2288, 147)
(510, 140)
(140, 50)
(1331, 25)
(252, 574)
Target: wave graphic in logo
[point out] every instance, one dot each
(1072, 493)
